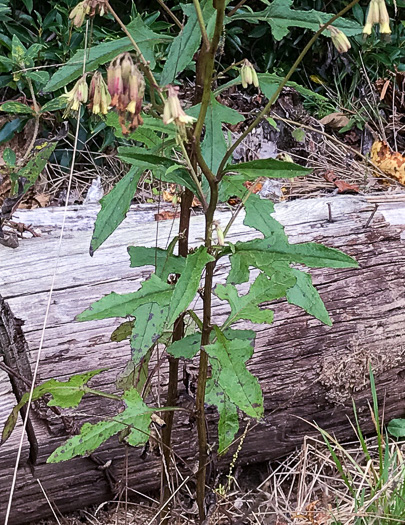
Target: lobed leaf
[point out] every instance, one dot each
(135, 418)
(149, 325)
(187, 286)
(153, 290)
(65, 394)
(234, 379)
(164, 262)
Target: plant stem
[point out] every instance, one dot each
(201, 23)
(238, 6)
(36, 126)
(281, 86)
(193, 174)
(178, 333)
(172, 15)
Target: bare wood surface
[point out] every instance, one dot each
(305, 369)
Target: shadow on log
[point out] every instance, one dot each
(306, 370)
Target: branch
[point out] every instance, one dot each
(281, 86)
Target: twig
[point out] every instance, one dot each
(238, 6)
(281, 86)
(172, 15)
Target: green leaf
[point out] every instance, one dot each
(306, 296)
(165, 262)
(122, 332)
(134, 376)
(16, 107)
(150, 133)
(37, 162)
(66, 394)
(396, 427)
(281, 17)
(153, 290)
(114, 208)
(18, 51)
(136, 418)
(10, 128)
(188, 347)
(235, 380)
(270, 168)
(186, 43)
(41, 77)
(29, 5)
(9, 157)
(299, 135)
(269, 83)
(275, 248)
(214, 145)
(149, 325)
(228, 424)
(187, 286)
(262, 290)
(159, 165)
(55, 104)
(105, 52)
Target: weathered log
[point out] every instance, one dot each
(306, 369)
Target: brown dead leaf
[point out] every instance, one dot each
(335, 120)
(257, 186)
(167, 215)
(392, 163)
(341, 185)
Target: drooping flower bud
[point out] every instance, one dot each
(339, 40)
(384, 18)
(173, 112)
(76, 96)
(99, 96)
(87, 7)
(377, 14)
(248, 74)
(126, 85)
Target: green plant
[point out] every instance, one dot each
(189, 150)
(376, 482)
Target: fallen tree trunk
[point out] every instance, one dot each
(306, 369)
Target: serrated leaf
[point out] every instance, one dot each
(16, 107)
(228, 424)
(275, 248)
(153, 290)
(187, 348)
(281, 17)
(105, 52)
(306, 296)
(164, 262)
(262, 290)
(136, 418)
(9, 157)
(149, 325)
(186, 43)
(270, 168)
(214, 145)
(65, 394)
(187, 286)
(114, 208)
(235, 380)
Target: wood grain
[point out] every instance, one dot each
(306, 370)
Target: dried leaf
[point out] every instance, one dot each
(335, 120)
(167, 215)
(392, 163)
